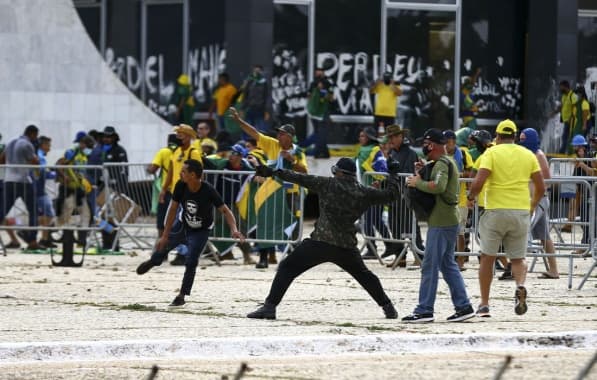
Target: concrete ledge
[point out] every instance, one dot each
(228, 348)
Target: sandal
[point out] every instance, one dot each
(549, 276)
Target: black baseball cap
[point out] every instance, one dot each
(345, 165)
(287, 128)
(434, 135)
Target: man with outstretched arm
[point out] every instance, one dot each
(342, 200)
(198, 200)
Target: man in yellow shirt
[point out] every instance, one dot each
(505, 170)
(569, 100)
(161, 162)
(222, 99)
(184, 133)
(386, 100)
(282, 154)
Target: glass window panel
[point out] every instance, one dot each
(290, 65)
(349, 53)
(493, 41)
(425, 1)
(163, 63)
(587, 56)
(420, 56)
(91, 18)
(207, 53)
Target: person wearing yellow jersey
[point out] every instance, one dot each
(184, 133)
(283, 153)
(386, 100)
(505, 170)
(161, 162)
(569, 100)
(203, 137)
(222, 99)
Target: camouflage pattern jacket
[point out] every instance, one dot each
(341, 202)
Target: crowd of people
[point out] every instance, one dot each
(77, 174)
(501, 165)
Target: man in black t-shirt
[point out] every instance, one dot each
(198, 200)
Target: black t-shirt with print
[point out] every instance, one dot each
(197, 207)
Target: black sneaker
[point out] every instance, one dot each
(178, 302)
(462, 315)
(48, 243)
(144, 267)
(418, 318)
(483, 311)
(520, 298)
(507, 275)
(178, 260)
(389, 311)
(267, 311)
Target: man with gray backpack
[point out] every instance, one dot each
(441, 235)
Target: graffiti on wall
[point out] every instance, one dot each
(289, 84)
(204, 65)
(427, 89)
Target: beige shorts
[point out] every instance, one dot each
(509, 228)
(463, 216)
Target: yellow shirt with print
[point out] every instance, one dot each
(386, 100)
(178, 158)
(162, 160)
(223, 97)
(511, 167)
(272, 149)
(568, 102)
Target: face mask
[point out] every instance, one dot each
(480, 146)
(426, 150)
(87, 151)
(106, 147)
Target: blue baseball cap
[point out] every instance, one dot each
(79, 136)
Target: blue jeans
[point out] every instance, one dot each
(439, 256)
(195, 240)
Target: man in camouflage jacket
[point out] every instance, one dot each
(342, 200)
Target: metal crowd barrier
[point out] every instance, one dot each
(265, 220)
(564, 193)
(118, 198)
(393, 224)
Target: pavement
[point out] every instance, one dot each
(102, 320)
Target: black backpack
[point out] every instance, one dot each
(420, 202)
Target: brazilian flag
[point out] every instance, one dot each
(274, 217)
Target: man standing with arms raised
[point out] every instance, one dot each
(505, 170)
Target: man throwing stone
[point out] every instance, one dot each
(342, 200)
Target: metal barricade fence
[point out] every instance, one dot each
(268, 212)
(393, 224)
(49, 198)
(564, 167)
(593, 231)
(571, 236)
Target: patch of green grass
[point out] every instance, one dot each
(138, 307)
